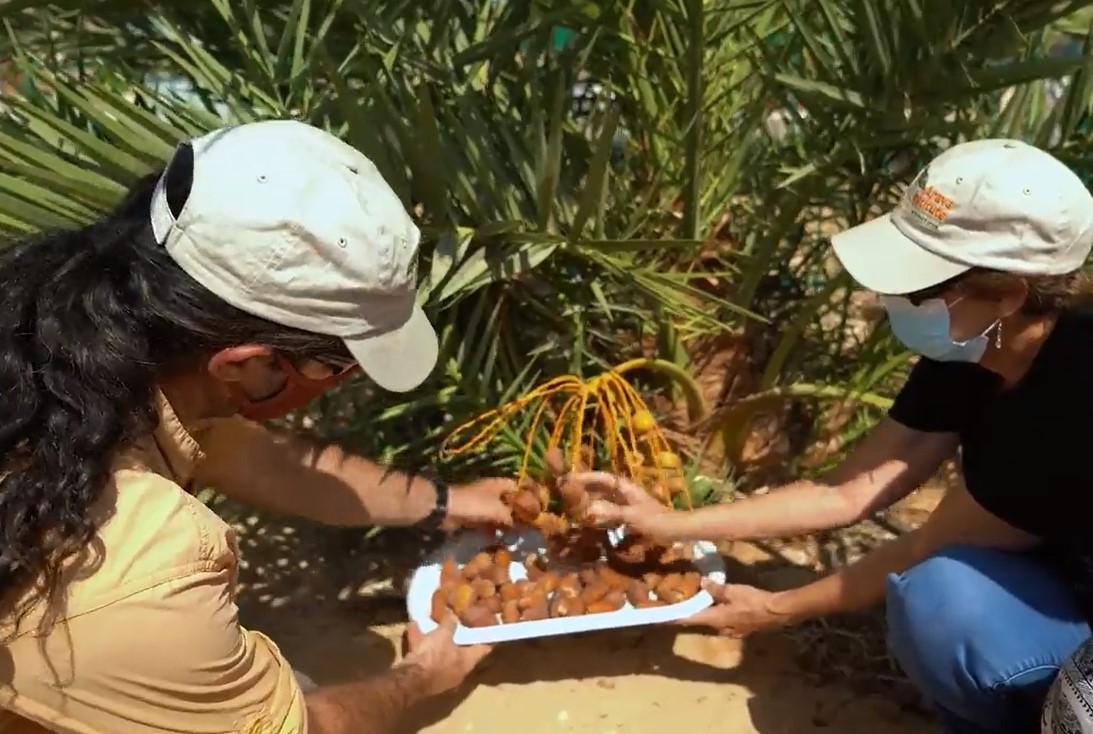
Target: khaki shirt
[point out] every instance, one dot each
(150, 639)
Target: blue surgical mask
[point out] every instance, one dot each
(927, 330)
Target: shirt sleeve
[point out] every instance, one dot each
(939, 397)
(172, 658)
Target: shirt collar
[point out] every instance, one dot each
(176, 443)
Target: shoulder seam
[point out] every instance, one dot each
(205, 544)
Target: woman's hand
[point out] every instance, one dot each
(480, 505)
(621, 502)
(738, 611)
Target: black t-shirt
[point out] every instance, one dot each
(1026, 451)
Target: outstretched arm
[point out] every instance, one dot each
(293, 475)
(889, 463)
(957, 520)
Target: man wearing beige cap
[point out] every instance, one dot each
(267, 263)
(979, 269)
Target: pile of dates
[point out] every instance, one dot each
(579, 572)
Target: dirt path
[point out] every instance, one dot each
(331, 605)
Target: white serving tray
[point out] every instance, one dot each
(522, 542)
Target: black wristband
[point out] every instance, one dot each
(439, 513)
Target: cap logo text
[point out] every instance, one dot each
(926, 204)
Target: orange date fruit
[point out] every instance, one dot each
(449, 572)
(670, 596)
(600, 607)
(571, 493)
(668, 589)
(637, 592)
(510, 612)
(483, 588)
(496, 575)
(589, 575)
(535, 566)
(462, 598)
(508, 592)
(594, 592)
(438, 608)
(532, 600)
(691, 584)
(549, 581)
(616, 598)
(526, 507)
(569, 586)
(566, 606)
(613, 578)
(535, 613)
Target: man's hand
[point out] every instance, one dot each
(737, 611)
(446, 664)
(480, 505)
(433, 665)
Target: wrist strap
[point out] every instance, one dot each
(439, 513)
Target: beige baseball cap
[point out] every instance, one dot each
(288, 223)
(997, 204)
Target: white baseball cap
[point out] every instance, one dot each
(996, 204)
(288, 223)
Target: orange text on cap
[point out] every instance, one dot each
(932, 203)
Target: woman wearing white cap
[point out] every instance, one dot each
(270, 261)
(979, 270)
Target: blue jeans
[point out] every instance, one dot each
(982, 634)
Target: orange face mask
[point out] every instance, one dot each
(299, 390)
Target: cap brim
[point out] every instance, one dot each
(402, 359)
(883, 259)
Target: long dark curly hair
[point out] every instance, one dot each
(90, 320)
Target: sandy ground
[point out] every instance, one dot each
(610, 683)
(653, 681)
(332, 606)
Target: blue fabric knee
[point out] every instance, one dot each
(982, 633)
